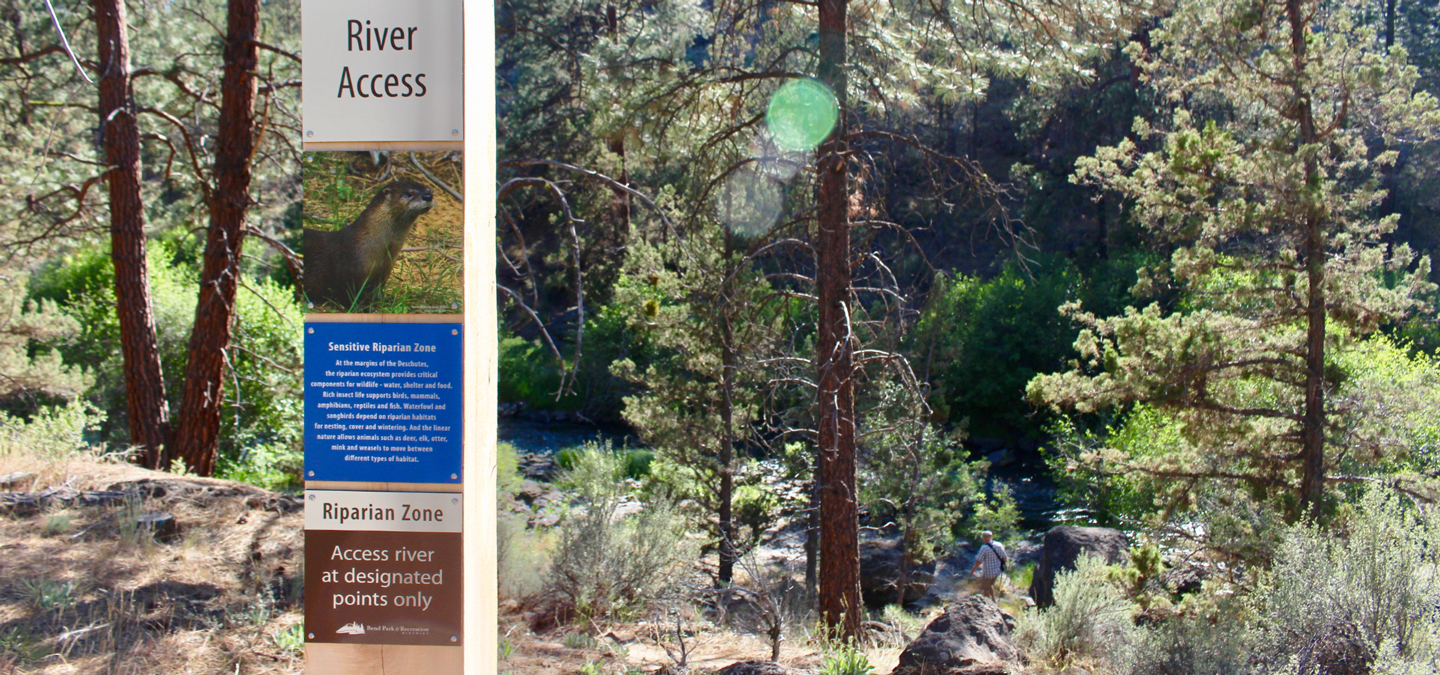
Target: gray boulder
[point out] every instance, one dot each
(755, 668)
(1025, 552)
(970, 634)
(1338, 650)
(880, 574)
(1185, 579)
(1001, 457)
(1064, 545)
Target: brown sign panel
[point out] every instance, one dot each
(391, 588)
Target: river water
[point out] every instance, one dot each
(1034, 492)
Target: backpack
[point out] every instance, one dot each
(1004, 561)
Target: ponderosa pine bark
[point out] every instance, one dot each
(197, 435)
(839, 512)
(120, 137)
(1312, 480)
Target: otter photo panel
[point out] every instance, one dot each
(383, 232)
(383, 288)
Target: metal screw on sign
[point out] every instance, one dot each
(312, 496)
(312, 331)
(454, 477)
(312, 474)
(454, 331)
(453, 638)
(309, 134)
(454, 132)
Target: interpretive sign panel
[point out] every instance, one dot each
(397, 581)
(383, 402)
(378, 71)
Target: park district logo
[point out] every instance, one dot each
(358, 628)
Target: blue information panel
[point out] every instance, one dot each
(383, 402)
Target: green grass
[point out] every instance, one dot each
(846, 660)
(291, 639)
(1022, 576)
(48, 595)
(581, 641)
(55, 524)
(19, 647)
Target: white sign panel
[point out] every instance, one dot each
(382, 511)
(381, 71)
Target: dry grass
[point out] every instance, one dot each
(638, 647)
(83, 590)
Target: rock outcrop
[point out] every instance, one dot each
(973, 633)
(1064, 545)
(880, 574)
(755, 668)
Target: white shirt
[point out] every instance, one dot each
(989, 556)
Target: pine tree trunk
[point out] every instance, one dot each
(1312, 482)
(120, 136)
(727, 451)
(197, 436)
(839, 513)
(812, 534)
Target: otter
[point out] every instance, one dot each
(348, 267)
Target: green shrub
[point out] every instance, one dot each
(529, 373)
(988, 337)
(846, 660)
(507, 469)
(522, 558)
(261, 430)
(1090, 618)
(998, 513)
(609, 566)
(1192, 644)
(1379, 581)
(637, 463)
(754, 507)
(52, 433)
(566, 458)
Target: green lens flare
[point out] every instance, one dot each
(801, 115)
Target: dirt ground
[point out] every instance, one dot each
(647, 648)
(84, 588)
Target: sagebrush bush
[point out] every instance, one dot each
(612, 565)
(522, 558)
(1192, 644)
(1377, 586)
(1091, 618)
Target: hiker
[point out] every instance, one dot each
(990, 562)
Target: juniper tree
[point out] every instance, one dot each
(711, 323)
(1265, 183)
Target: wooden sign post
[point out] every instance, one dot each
(400, 409)
(481, 341)
(482, 363)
